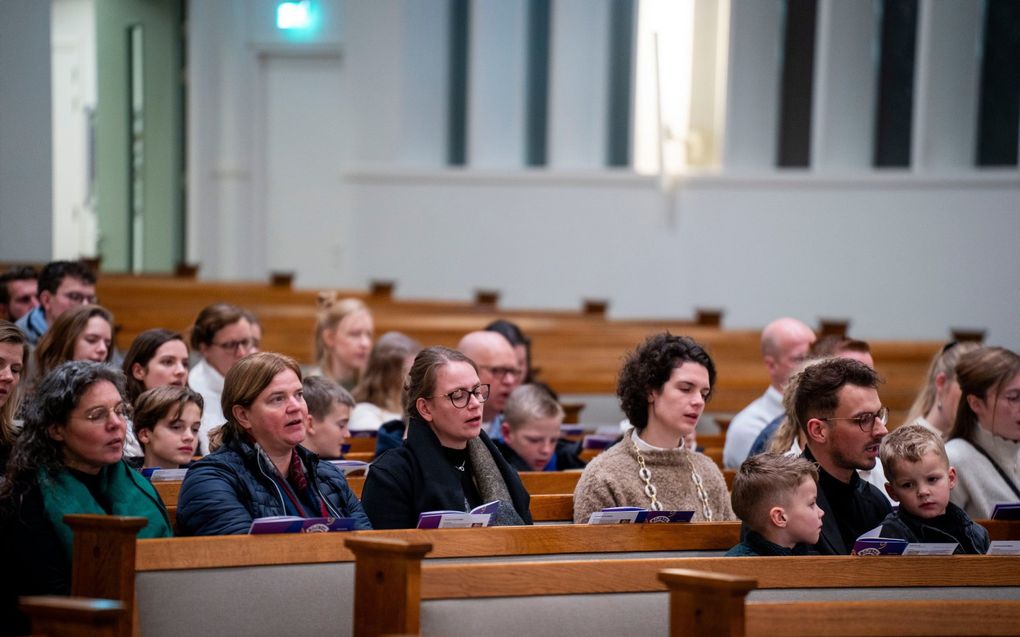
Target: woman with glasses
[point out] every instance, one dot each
(447, 462)
(67, 459)
(984, 443)
(663, 388)
(260, 470)
(222, 335)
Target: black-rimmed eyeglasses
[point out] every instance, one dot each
(866, 421)
(461, 397)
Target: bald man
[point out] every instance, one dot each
(784, 344)
(497, 366)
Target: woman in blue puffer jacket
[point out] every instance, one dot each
(261, 470)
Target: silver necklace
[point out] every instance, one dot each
(646, 476)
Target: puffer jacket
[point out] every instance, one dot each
(953, 526)
(223, 492)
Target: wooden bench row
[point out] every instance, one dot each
(577, 352)
(246, 580)
(395, 593)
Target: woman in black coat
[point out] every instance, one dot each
(447, 462)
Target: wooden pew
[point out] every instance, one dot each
(459, 598)
(54, 616)
(165, 571)
(715, 605)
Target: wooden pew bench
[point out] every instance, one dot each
(705, 604)
(264, 585)
(625, 596)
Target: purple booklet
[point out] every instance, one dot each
(637, 515)
(879, 546)
(481, 515)
(598, 441)
(292, 524)
(1006, 511)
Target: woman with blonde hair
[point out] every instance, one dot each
(13, 363)
(379, 392)
(936, 404)
(984, 443)
(261, 469)
(343, 339)
(81, 333)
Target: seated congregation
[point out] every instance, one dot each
(257, 435)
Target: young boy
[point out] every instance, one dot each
(329, 412)
(920, 478)
(776, 498)
(531, 432)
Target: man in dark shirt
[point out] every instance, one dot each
(835, 403)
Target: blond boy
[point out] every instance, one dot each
(920, 479)
(776, 497)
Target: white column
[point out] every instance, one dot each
(752, 94)
(496, 83)
(843, 123)
(708, 86)
(425, 72)
(946, 82)
(579, 84)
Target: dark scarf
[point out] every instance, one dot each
(125, 491)
(296, 484)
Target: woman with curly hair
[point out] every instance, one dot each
(663, 388)
(67, 459)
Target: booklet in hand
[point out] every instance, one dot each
(482, 515)
(1006, 511)
(293, 524)
(637, 515)
(155, 474)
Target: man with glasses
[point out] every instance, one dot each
(835, 403)
(497, 367)
(62, 285)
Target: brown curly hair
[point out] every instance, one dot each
(648, 367)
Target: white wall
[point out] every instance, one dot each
(26, 224)
(901, 254)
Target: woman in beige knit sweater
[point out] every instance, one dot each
(663, 388)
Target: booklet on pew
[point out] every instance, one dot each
(1006, 511)
(598, 441)
(1004, 547)
(481, 515)
(872, 544)
(349, 466)
(155, 474)
(294, 524)
(637, 515)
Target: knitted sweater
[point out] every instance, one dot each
(611, 480)
(979, 487)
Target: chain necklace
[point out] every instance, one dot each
(646, 476)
